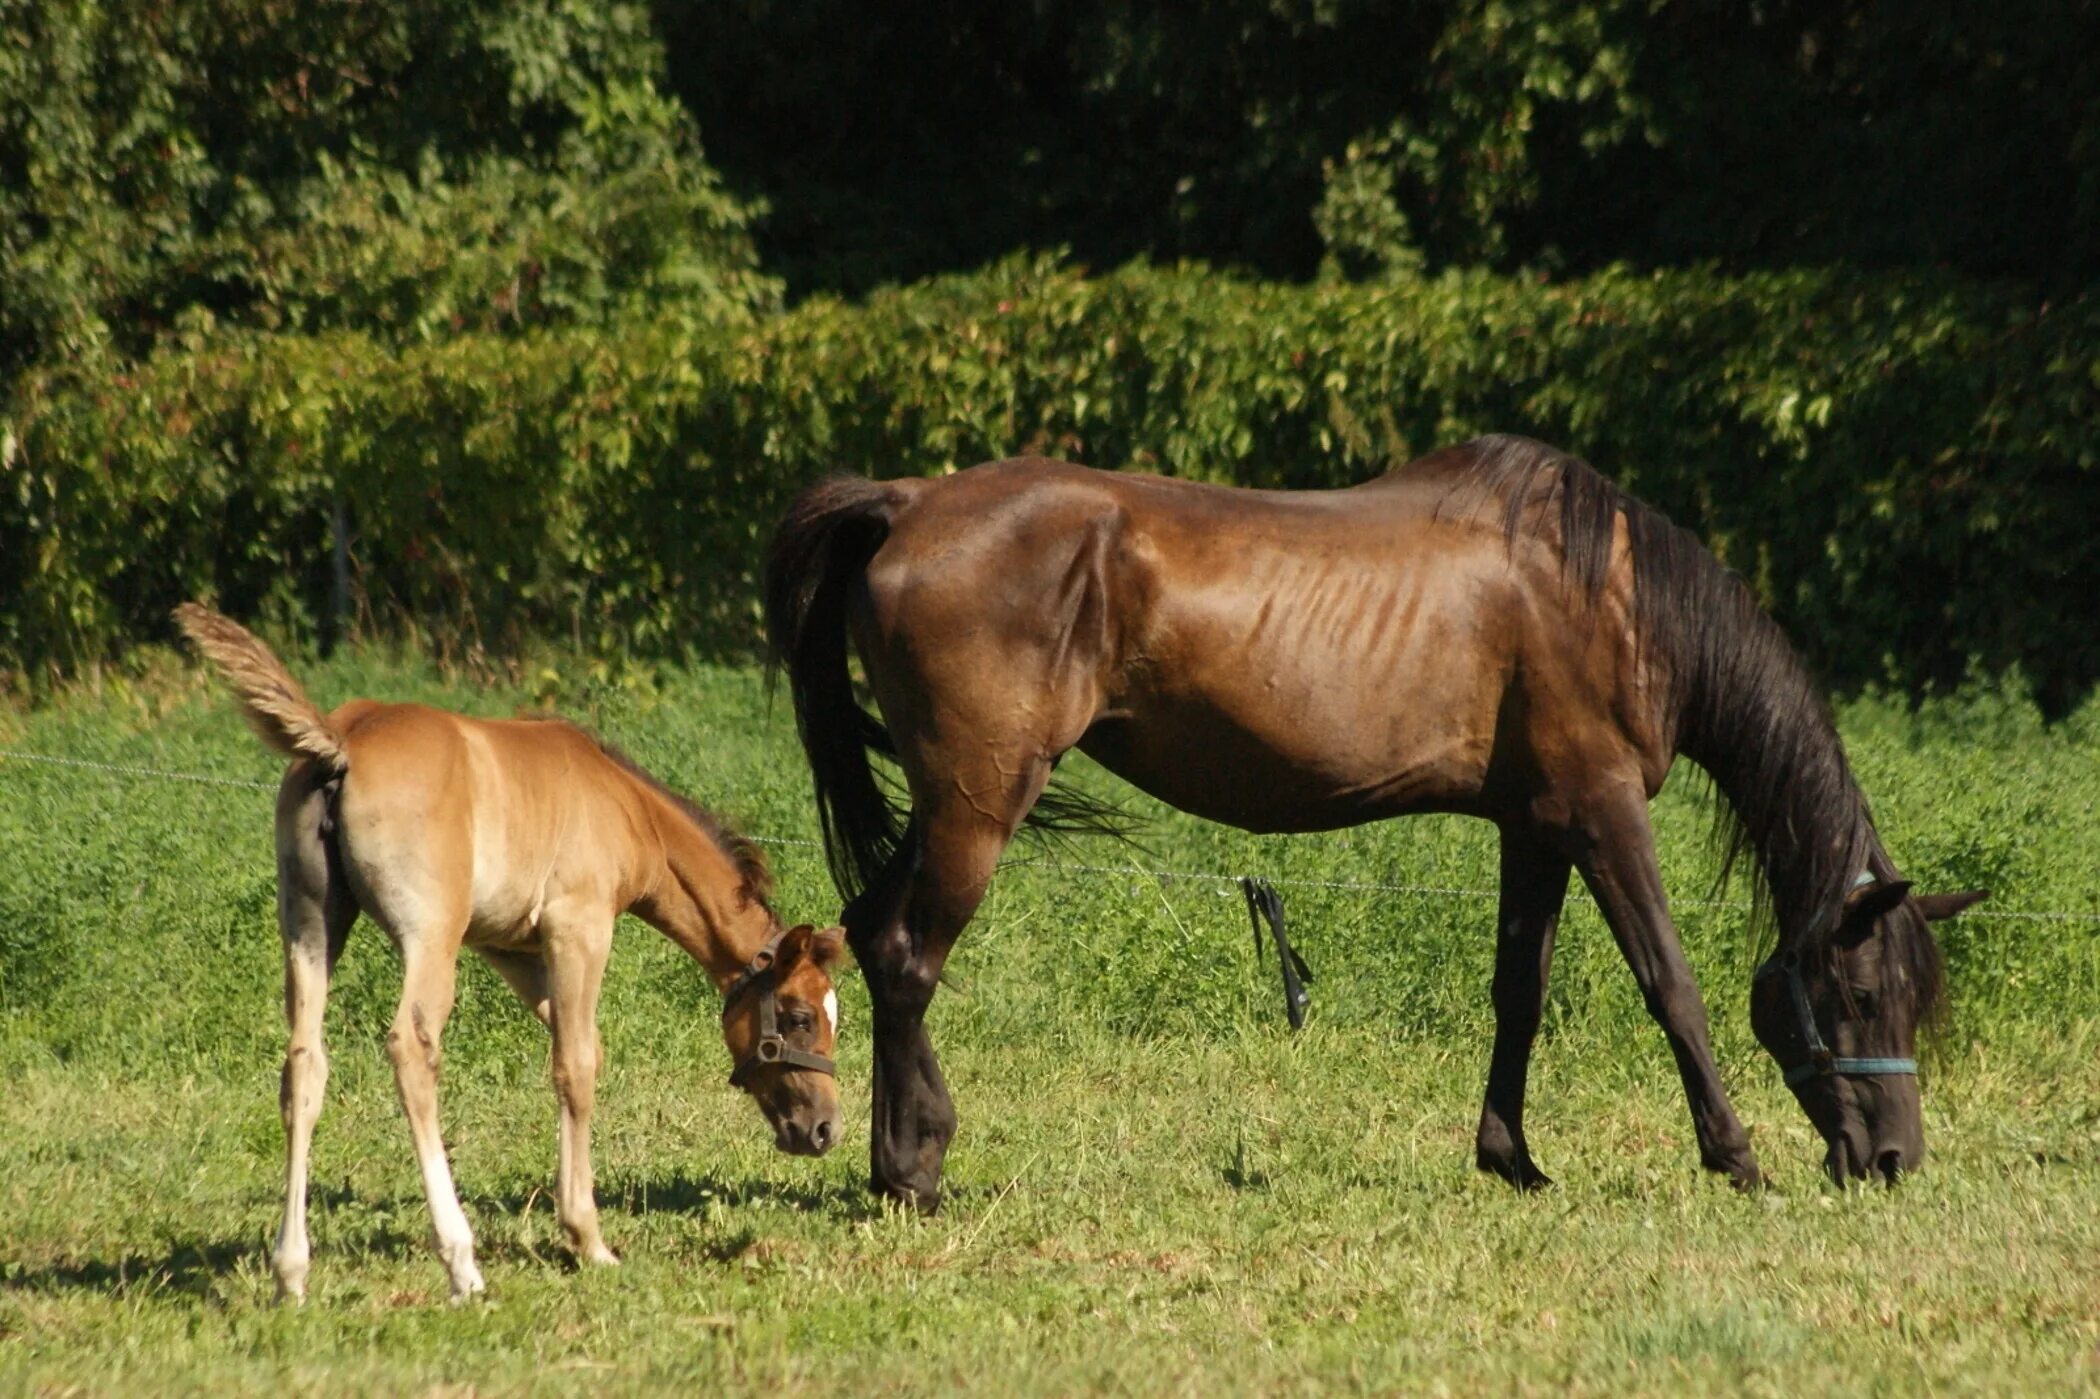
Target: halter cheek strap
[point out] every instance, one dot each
(1821, 1063)
(772, 1046)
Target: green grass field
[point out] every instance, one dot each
(1156, 1187)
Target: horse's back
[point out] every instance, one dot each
(453, 819)
(1276, 659)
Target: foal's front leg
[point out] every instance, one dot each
(413, 1042)
(575, 958)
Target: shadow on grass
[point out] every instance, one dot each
(683, 1192)
(188, 1269)
(192, 1268)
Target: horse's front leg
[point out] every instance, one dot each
(1534, 885)
(577, 947)
(1620, 868)
(901, 931)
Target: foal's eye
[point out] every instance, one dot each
(800, 1021)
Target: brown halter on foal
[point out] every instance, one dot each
(771, 1047)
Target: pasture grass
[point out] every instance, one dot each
(1156, 1188)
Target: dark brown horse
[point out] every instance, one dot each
(1494, 629)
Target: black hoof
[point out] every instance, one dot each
(924, 1200)
(1521, 1173)
(1743, 1174)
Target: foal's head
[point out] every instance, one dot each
(780, 1021)
(1841, 1015)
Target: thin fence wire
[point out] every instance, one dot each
(1224, 882)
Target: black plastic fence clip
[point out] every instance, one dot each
(1265, 905)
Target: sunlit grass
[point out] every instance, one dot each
(1156, 1186)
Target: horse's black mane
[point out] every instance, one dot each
(1742, 704)
(743, 852)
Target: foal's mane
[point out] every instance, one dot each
(743, 852)
(1738, 699)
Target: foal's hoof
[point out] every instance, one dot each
(468, 1287)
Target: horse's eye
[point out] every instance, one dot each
(1867, 1003)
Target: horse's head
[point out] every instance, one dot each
(780, 1020)
(1841, 1014)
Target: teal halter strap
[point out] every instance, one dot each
(1821, 1063)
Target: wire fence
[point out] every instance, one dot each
(1225, 882)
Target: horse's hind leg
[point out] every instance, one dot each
(1534, 885)
(314, 914)
(901, 931)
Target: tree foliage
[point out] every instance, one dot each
(1815, 275)
(407, 170)
(1266, 134)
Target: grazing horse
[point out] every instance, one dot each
(1493, 629)
(522, 839)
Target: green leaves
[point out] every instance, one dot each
(408, 171)
(1900, 465)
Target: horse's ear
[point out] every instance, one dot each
(1868, 902)
(1938, 908)
(794, 946)
(828, 948)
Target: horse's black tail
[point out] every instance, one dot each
(820, 549)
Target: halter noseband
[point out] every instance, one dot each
(772, 1046)
(1821, 1063)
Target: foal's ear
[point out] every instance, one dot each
(1938, 908)
(1868, 902)
(828, 948)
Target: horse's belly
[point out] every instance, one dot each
(1204, 763)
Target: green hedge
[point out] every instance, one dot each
(1904, 468)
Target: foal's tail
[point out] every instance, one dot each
(821, 548)
(276, 708)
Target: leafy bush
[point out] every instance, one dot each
(1903, 467)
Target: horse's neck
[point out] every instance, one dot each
(697, 899)
(1802, 816)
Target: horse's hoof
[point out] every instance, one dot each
(1518, 1171)
(922, 1202)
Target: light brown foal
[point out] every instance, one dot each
(523, 840)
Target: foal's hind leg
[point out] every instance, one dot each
(1534, 885)
(1620, 868)
(314, 914)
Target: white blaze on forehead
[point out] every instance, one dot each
(831, 1011)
